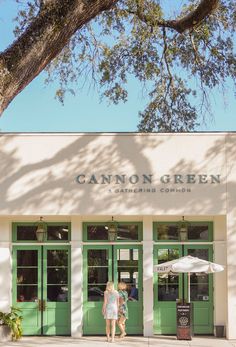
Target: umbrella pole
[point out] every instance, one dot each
(188, 287)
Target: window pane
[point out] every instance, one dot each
(127, 254)
(124, 232)
(168, 284)
(167, 254)
(57, 258)
(27, 258)
(127, 232)
(57, 275)
(168, 292)
(97, 232)
(27, 276)
(58, 232)
(199, 282)
(130, 277)
(97, 275)
(198, 232)
(27, 293)
(26, 232)
(199, 253)
(167, 232)
(57, 293)
(127, 261)
(98, 257)
(96, 293)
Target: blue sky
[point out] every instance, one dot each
(35, 109)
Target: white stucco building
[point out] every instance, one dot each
(146, 183)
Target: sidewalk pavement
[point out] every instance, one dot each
(130, 341)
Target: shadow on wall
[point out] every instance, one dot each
(48, 185)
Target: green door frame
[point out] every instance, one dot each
(134, 325)
(93, 321)
(32, 322)
(50, 318)
(57, 314)
(165, 312)
(203, 310)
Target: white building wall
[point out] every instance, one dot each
(5, 265)
(76, 277)
(147, 276)
(44, 184)
(231, 236)
(220, 279)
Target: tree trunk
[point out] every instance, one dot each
(42, 41)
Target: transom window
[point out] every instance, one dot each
(125, 231)
(54, 232)
(170, 231)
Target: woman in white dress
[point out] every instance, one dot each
(110, 310)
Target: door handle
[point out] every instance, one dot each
(44, 305)
(40, 305)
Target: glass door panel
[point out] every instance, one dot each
(168, 284)
(128, 271)
(98, 273)
(128, 268)
(97, 264)
(56, 293)
(167, 289)
(199, 282)
(27, 275)
(57, 275)
(27, 286)
(201, 291)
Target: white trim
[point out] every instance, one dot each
(148, 300)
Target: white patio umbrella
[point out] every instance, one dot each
(189, 265)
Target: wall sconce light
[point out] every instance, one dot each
(183, 226)
(112, 230)
(41, 230)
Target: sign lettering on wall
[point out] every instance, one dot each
(147, 183)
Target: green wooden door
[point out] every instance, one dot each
(56, 290)
(111, 263)
(41, 288)
(169, 288)
(201, 291)
(27, 286)
(97, 264)
(128, 268)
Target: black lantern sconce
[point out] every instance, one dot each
(112, 228)
(41, 230)
(183, 226)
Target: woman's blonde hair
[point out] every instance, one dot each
(110, 286)
(122, 286)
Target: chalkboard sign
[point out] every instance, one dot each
(184, 313)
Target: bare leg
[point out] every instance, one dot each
(113, 329)
(121, 325)
(108, 330)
